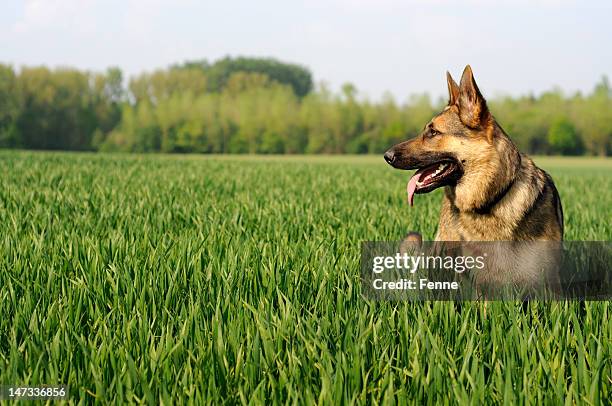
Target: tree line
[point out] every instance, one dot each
(257, 105)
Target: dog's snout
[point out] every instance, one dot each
(390, 156)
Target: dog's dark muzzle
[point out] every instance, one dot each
(408, 156)
(400, 156)
(405, 156)
(390, 156)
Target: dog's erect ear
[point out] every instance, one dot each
(472, 106)
(453, 89)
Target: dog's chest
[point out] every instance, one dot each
(457, 226)
(483, 227)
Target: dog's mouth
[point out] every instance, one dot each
(433, 176)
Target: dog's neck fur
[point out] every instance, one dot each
(494, 173)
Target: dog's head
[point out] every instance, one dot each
(455, 145)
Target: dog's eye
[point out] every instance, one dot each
(434, 132)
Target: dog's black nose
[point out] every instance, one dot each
(390, 156)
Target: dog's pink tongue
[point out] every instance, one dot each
(412, 187)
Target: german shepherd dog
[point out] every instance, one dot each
(492, 191)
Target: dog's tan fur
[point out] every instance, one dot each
(502, 195)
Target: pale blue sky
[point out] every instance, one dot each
(400, 46)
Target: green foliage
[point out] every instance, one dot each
(593, 118)
(9, 108)
(164, 84)
(247, 105)
(164, 279)
(563, 139)
(60, 109)
(298, 77)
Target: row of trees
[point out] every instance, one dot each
(61, 109)
(248, 105)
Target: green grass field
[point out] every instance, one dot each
(152, 279)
